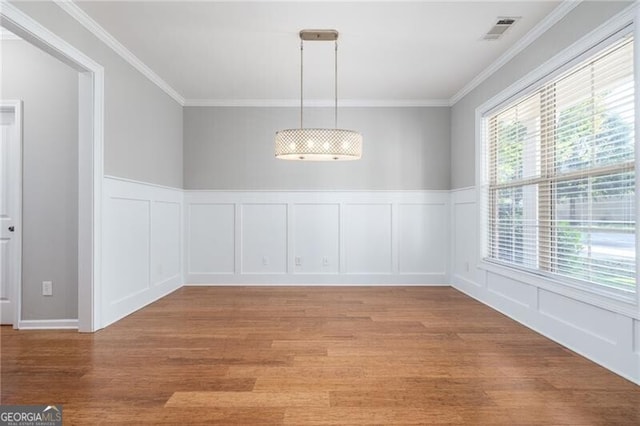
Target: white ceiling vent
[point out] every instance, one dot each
(501, 26)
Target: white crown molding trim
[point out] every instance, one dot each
(345, 103)
(547, 22)
(6, 35)
(90, 24)
(55, 324)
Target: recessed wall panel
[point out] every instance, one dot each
(510, 289)
(166, 244)
(264, 238)
(316, 238)
(368, 238)
(211, 238)
(422, 238)
(584, 317)
(465, 239)
(126, 265)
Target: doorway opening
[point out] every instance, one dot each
(90, 160)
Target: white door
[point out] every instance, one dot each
(10, 209)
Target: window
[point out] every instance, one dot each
(560, 175)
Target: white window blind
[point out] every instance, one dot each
(560, 190)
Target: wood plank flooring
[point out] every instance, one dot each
(312, 356)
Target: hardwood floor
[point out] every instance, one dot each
(312, 355)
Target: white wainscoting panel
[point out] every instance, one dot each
(264, 238)
(211, 238)
(368, 241)
(318, 237)
(605, 334)
(166, 250)
(464, 240)
(420, 235)
(127, 248)
(513, 291)
(142, 245)
(590, 319)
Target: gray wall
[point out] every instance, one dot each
(232, 148)
(143, 125)
(49, 91)
(584, 18)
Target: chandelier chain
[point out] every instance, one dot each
(301, 83)
(336, 86)
(335, 75)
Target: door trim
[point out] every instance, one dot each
(90, 156)
(15, 107)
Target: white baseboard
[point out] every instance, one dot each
(135, 302)
(318, 279)
(57, 324)
(250, 283)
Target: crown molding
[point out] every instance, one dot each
(344, 103)
(6, 35)
(550, 20)
(90, 24)
(96, 29)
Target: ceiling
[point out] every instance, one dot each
(416, 51)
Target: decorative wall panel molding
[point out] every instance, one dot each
(608, 336)
(211, 226)
(142, 245)
(320, 225)
(317, 237)
(336, 238)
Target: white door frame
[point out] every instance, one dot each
(90, 156)
(15, 107)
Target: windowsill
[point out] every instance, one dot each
(607, 300)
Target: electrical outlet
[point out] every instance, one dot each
(466, 266)
(47, 288)
(325, 261)
(265, 261)
(298, 261)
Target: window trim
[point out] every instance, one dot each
(608, 33)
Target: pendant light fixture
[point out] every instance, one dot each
(318, 144)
